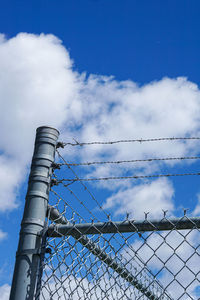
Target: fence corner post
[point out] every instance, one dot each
(29, 247)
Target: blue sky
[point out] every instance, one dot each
(146, 46)
(140, 40)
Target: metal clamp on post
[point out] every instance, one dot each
(39, 177)
(33, 221)
(54, 182)
(55, 166)
(60, 145)
(36, 251)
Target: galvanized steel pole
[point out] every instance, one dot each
(32, 226)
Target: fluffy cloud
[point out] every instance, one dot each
(149, 197)
(39, 86)
(114, 110)
(5, 292)
(196, 211)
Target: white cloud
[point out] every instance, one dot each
(11, 175)
(149, 197)
(122, 110)
(114, 110)
(5, 292)
(196, 211)
(38, 86)
(3, 235)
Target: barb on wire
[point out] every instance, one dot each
(130, 141)
(127, 177)
(129, 161)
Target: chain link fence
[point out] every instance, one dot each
(90, 256)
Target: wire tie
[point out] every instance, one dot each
(55, 166)
(54, 182)
(60, 145)
(48, 250)
(146, 215)
(185, 211)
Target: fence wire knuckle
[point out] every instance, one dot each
(90, 255)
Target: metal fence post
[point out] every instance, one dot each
(29, 247)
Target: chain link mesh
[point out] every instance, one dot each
(134, 265)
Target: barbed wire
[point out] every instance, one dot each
(126, 177)
(129, 161)
(128, 141)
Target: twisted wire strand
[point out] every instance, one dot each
(127, 177)
(129, 141)
(129, 161)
